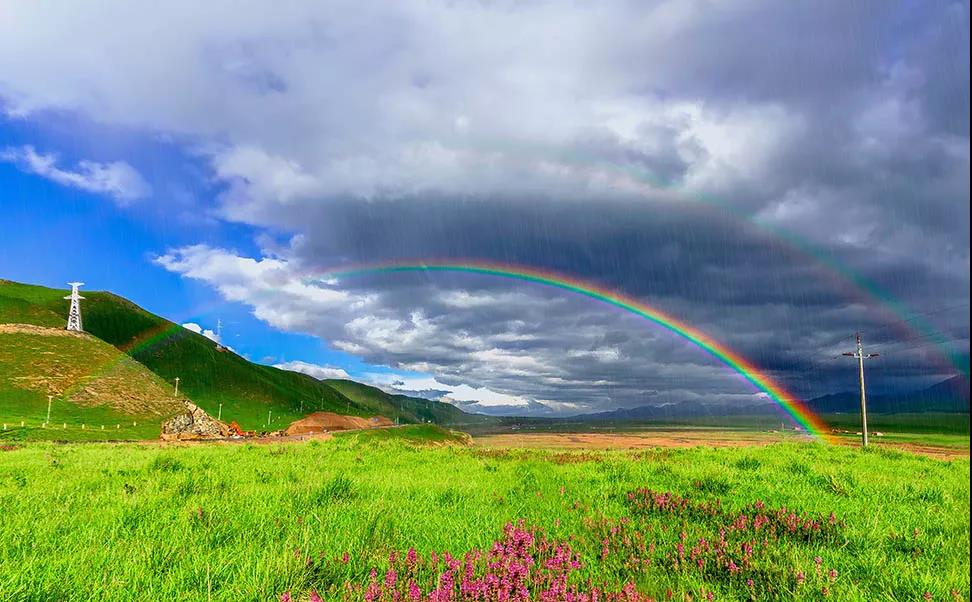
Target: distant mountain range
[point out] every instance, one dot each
(950, 396)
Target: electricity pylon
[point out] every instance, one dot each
(74, 314)
(860, 356)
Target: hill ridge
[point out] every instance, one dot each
(257, 396)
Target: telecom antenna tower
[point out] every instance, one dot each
(74, 314)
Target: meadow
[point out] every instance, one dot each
(412, 514)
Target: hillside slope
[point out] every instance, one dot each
(92, 383)
(219, 381)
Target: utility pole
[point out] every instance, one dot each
(860, 356)
(219, 416)
(176, 394)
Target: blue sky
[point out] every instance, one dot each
(56, 233)
(210, 172)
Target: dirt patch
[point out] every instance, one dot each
(629, 440)
(675, 438)
(932, 451)
(321, 422)
(39, 330)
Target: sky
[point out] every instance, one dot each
(778, 175)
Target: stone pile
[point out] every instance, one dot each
(193, 424)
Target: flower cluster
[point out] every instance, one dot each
(686, 540)
(755, 518)
(522, 565)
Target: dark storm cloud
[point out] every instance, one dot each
(769, 172)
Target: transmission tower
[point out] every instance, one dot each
(860, 356)
(74, 314)
(219, 334)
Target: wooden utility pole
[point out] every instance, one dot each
(860, 356)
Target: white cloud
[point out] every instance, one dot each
(479, 355)
(278, 294)
(336, 100)
(117, 179)
(196, 328)
(316, 370)
(461, 394)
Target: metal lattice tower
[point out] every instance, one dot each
(74, 314)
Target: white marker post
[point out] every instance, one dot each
(50, 398)
(176, 394)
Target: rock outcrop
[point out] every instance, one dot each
(193, 424)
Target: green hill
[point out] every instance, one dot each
(218, 380)
(91, 383)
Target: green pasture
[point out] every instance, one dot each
(248, 522)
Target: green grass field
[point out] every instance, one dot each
(249, 522)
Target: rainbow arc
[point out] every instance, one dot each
(800, 413)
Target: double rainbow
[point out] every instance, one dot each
(752, 373)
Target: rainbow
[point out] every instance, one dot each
(752, 373)
(141, 342)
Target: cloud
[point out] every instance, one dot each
(117, 179)
(317, 371)
(747, 167)
(196, 328)
(515, 345)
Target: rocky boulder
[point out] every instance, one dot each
(193, 424)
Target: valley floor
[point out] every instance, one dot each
(937, 446)
(780, 521)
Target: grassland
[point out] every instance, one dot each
(249, 522)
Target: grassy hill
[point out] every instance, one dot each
(92, 384)
(217, 380)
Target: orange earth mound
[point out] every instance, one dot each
(319, 422)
